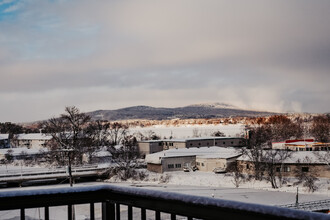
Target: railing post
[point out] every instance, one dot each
(46, 213)
(117, 211)
(108, 210)
(157, 215)
(92, 212)
(143, 214)
(69, 212)
(130, 212)
(22, 214)
(173, 216)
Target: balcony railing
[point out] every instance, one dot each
(113, 197)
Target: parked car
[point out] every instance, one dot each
(219, 170)
(186, 169)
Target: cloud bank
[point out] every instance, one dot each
(265, 55)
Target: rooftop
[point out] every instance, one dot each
(206, 152)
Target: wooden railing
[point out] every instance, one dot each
(171, 204)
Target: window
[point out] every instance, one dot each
(199, 144)
(247, 166)
(198, 164)
(190, 144)
(278, 169)
(215, 143)
(287, 169)
(224, 142)
(232, 142)
(207, 143)
(305, 169)
(170, 166)
(178, 165)
(202, 164)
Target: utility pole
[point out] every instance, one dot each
(297, 198)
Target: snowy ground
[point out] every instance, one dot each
(192, 183)
(210, 180)
(186, 131)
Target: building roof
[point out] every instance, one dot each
(17, 151)
(4, 136)
(34, 136)
(207, 152)
(191, 139)
(297, 157)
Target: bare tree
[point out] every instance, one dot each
(68, 133)
(320, 128)
(196, 132)
(307, 174)
(117, 132)
(218, 134)
(237, 174)
(126, 157)
(274, 166)
(259, 140)
(8, 157)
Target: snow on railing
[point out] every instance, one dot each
(112, 197)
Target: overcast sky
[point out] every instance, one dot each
(103, 54)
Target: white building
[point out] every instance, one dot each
(32, 141)
(177, 159)
(301, 145)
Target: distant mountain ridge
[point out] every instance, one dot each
(210, 110)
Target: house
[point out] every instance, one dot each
(202, 142)
(299, 161)
(177, 159)
(152, 146)
(222, 161)
(21, 153)
(4, 141)
(301, 145)
(33, 140)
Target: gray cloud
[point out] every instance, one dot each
(271, 55)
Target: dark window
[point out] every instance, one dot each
(190, 144)
(178, 165)
(202, 164)
(215, 143)
(224, 142)
(278, 169)
(287, 169)
(247, 166)
(170, 166)
(305, 169)
(199, 144)
(198, 163)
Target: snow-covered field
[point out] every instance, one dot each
(186, 131)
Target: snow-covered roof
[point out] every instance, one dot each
(4, 136)
(34, 136)
(304, 143)
(17, 151)
(297, 157)
(102, 153)
(207, 152)
(190, 139)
